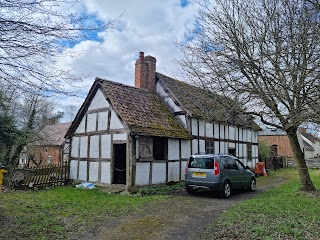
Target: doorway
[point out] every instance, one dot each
(119, 156)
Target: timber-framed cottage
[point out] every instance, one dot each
(145, 134)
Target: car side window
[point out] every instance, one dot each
(224, 162)
(232, 163)
(240, 165)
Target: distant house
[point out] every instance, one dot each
(48, 147)
(280, 145)
(145, 134)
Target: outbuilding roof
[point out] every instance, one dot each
(272, 132)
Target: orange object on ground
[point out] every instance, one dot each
(260, 169)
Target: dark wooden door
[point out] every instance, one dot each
(119, 151)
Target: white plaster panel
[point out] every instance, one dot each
(237, 150)
(105, 172)
(244, 134)
(160, 90)
(202, 145)
(93, 171)
(232, 145)
(195, 146)
(173, 171)
(122, 136)
(91, 122)
(183, 168)
(209, 130)
(244, 150)
(83, 171)
(240, 150)
(174, 107)
(222, 147)
(236, 133)
(81, 127)
(106, 146)
(158, 173)
(173, 149)
(226, 132)
(255, 153)
(115, 122)
(221, 131)
(216, 130)
(240, 134)
(183, 120)
(249, 135)
(216, 147)
(83, 147)
(103, 121)
(185, 149)
(255, 137)
(232, 133)
(142, 173)
(94, 146)
(201, 128)
(73, 169)
(98, 101)
(75, 147)
(194, 125)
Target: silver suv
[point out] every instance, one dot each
(219, 173)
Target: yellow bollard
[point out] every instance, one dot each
(2, 171)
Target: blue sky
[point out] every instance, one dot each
(149, 26)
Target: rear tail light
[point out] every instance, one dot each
(216, 168)
(186, 169)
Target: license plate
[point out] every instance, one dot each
(199, 174)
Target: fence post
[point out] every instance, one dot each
(275, 163)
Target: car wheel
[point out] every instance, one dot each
(253, 185)
(189, 190)
(226, 190)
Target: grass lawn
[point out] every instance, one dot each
(280, 213)
(61, 212)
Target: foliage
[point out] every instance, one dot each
(265, 55)
(161, 190)
(35, 35)
(264, 149)
(281, 213)
(61, 212)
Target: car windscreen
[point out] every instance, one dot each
(205, 163)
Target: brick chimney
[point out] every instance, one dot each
(145, 72)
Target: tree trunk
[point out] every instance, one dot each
(306, 183)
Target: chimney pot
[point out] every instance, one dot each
(141, 57)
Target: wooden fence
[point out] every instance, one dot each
(40, 177)
(274, 163)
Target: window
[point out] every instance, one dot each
(49, 159)
(232, 151)
(210, 147)
(204, 163)
(240, 165)
(249, 152)
(159, 148)
(232, 163)
(46, 149)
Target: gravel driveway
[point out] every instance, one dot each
(181, 216)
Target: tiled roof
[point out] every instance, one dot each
(143, 111)
(203, 103)
(272, 132)
(52, 135)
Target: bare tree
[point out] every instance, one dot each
(71, 112)
(264, 54)
(34, 35)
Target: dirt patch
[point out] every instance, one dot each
(181, 216)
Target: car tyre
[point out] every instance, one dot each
(253, 185)
(226, 190)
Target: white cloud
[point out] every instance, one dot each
(148, 26)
